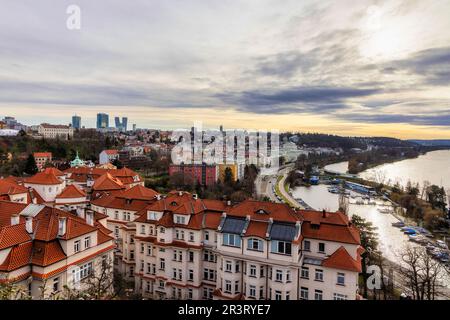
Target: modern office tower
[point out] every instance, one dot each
(76, 122)
(134, 126)
(102, 121)
(121, 126)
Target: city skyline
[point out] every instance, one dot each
(371, 68)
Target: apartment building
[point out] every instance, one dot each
(188, 248)
(43, 249)
(41, 158)
(10, 190)
(52, 131)
(121, 208)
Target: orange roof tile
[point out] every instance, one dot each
(107, 182)
(261, 210)
(71, 191)
(10, 187)
(13, 235)
(341, 259)
(47, 253)
(42, 154)
(18, 257)
(45, 178)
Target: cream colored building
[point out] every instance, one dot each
(52, 131)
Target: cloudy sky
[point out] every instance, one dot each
(343, 67)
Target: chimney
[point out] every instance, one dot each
(62, 224)
(228, 202)
(180, 193)
(195, 196)
(324, 213)
(90, 217)
(29, 224)
(80, 213)
(158, 197)
(14, 219)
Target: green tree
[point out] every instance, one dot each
(30, 166)
(369, 241)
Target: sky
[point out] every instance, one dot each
(364, 68)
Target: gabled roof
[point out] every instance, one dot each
(10, 187)
(71, 191)
(139, 192)
(107, 182)
(341, 259)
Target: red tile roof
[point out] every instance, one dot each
(139, 192)
(107, 182)
(341, 259)
(47, 253)
(55, 171)
(261, 210)
(13, 235)
(111, 151)
(10, 187)
(71, 191)
(18, 257)
(45, 178)
(42, 154)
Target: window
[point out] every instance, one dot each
(162, 264)
(252, 291)
(55, 285)
(279, 275)
(237, 267)
(254, 244)
(191, 275)
(252, 270)
(232, 240)
(142, 229)
(338, 296)
(261, 272)
(305, 273)
(180, 220)
(319, 275)
(116, 215)
(174, 273)
(236, 286)
(281, 247)
(149, 250)
(149, 268)
(227, 286)
(261, 292)
(85, 270)
(142, 248)
(288, 295)
(180, 274)
(162, 230)
(142, 265)
(304, 294)
(191, 237)
(341, 278)
(190, 294)
(321, 247)
(307, 245)
(288, 276)
(318, 295)
(87, 242)
(191, 256)
(131, 254)
(228, 266)
(207, 235)
(116, 231)
(278, 295)
(76, 246)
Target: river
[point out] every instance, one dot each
(433, 166)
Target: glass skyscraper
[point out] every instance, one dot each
(76, 122)
(102, 121)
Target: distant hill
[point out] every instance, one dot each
(432, 143)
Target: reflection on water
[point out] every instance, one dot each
(433, 166)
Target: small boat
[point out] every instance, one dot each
(398, 224)
(386, 211)
(441, 244)
(409, 231)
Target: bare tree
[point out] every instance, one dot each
(421, 274)
(425, 186)
(9, 291)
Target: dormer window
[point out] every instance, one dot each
(180, 220)
(173, 203)
(261, 211)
